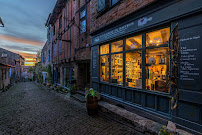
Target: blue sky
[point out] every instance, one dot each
(24, 20)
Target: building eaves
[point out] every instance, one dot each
(6, 65)
(60, 4)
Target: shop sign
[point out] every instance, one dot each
(120, 30)
(162, 15)
(144, 20)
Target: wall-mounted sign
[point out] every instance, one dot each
(190, 58)
(143, 21)
(156, 17)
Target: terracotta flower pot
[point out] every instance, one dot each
(92, 105)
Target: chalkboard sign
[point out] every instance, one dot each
(95, 62)
(190, 61)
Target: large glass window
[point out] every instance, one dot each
(134, 69)
(104, 68)
(117, 46)
(158, 37)
(117, 68)
(134, 42)
(157, 64)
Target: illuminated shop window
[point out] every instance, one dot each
(158, 37)
(134, 42)
(104, 49)
(104, 68)
(117, 46)
(157, 67)
(134, 69)
(117, 68)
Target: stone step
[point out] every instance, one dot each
(81, 92)
(79, 97)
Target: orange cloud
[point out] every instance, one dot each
(27, 55)
(21, 40)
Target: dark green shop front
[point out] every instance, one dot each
(131, 62)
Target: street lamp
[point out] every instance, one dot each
(1, 22)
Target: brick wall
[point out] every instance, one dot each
(123, 8)
(77, 46)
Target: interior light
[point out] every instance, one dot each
(150, 41)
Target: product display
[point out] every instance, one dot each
(133, 69)
(157, 61)
(117, 68)
(104, 68)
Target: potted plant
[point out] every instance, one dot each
(92, 102)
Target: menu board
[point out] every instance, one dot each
(190, 60)
(94, 56)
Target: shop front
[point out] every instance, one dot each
(132, 63)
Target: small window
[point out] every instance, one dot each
(158, 37)
(134, 42)
(55, 49)
(60, 46)
(83, 26)
(117, 46)
(60, 22)
(104, 49)
(100, 5)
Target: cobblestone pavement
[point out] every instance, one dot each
(29, 109)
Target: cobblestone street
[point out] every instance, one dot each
(28, 109)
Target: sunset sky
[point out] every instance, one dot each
(24, 32)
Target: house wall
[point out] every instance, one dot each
(121, 9)
(76, 48)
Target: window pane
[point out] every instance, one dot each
(100, 5)
(117, 68)
(60, 22)
(114, 2)
(158, 37)
(55, 49)
(157, 67)
(104, 68)
(104, 49)
(134, 69)
(82, 13)
(60, 46)
(83, 26)
(134, 42)
(117, 46)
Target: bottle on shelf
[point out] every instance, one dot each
(160, 61)
(163, 60)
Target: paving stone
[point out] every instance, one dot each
(29, 109)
